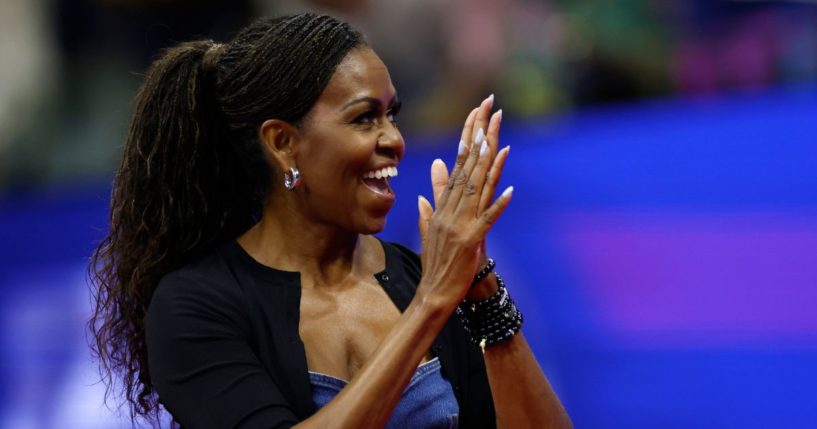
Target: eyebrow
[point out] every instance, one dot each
(375, 102)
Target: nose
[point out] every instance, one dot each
(390, 142)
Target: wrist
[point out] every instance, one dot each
(431, 307)
(485, 283)
(483, 289)
(493, 320)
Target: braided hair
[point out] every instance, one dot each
(193, 174)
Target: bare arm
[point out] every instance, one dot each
(371, 396)
(522, 394)
(523, 397)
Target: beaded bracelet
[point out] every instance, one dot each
(484, 271)
(493, 320)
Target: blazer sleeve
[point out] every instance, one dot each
(200, 360)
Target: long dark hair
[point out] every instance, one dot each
(193, 174)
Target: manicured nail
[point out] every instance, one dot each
(461, 148)
(507, 192)
(508, 148)
(490, 100)
(480, 136)
(483, 148)
(499, 115)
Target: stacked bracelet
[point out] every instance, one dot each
(487, 269)
(493, 320)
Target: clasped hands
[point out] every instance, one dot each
(453, 231)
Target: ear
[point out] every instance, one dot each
(278, 139)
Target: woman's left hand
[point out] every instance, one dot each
(479, 118)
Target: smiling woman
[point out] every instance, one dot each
(346, 149)
(240, 285)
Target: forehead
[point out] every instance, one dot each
(360, 74)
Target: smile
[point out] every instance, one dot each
(378, 180)
(382, 173)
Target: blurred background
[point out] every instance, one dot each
(662, 240)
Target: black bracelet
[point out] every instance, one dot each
(484, 271)
(491, 321)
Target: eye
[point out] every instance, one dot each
(373, 115)
(367, 118)
(394, 111)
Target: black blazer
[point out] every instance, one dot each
(224, 349)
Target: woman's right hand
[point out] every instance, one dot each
(453, 232)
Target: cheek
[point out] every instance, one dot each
(336, 163)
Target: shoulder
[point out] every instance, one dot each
(211, 275)
(207, 288)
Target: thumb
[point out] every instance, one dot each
(439, 179)
(424, 207)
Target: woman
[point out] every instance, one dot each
(240, 285)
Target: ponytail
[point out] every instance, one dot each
(193, 174)
(176, 194)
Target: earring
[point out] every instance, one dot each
(292, 178)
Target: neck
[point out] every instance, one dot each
(286, 240)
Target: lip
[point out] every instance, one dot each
(388, 195)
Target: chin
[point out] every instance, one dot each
(372, 225)
(374, 228)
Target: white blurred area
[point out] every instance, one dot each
(28, 64)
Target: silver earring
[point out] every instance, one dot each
(292, 178)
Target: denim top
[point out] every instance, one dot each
(428, 401)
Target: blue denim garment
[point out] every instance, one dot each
(428, 401)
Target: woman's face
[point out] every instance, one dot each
(350, 145)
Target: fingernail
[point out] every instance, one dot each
(507, 192)
(508, 148)
(499, 115)
(483, 148)
(480, 136)
(461, 148)
(437, 161)
(491, 100)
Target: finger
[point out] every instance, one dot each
(490, 216)
(483, 115)
(465, 143)
(477, 168)
(467, 159)
(491, 182)
(467, 135)
(477, 179)
(439, 178)
(492, 134)
(461, 186)
(481, 123)
(425, 210)
(462, 155)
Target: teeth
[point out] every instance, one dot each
(382, 173)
